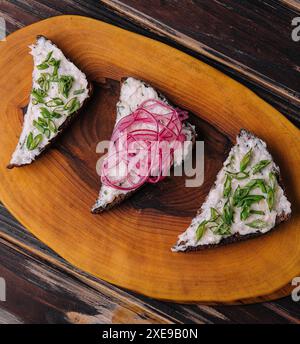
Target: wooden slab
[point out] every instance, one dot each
(130, 246)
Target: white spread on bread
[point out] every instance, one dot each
(216, 200)
(133, 93)
(40, 51)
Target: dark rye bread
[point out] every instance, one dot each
(122, 197)
(65, 124)
(119, 199)
(237, 237)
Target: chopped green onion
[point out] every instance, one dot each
(65, 85)
(39, 95)
(245, 161)
(45, 112)
(72, 105)
(55, 63)
(257, 212)
(78, 91)
(213, 214)
(200, 230)
(59, 109)
(33, 142)
(55, 102)
(29, 140)
(270, 197)
(249, 199)
(227, 186)
(245, 213)
(238, 175)
(38, 126)
(42, 66)
(52, 126)
(47, 133)
(56, 115)
(257, 224)
(260, 166)
(48, 56)
(273, 179)
(228, 213)
(222, 229)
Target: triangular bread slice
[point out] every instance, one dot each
(59, 91)
(133, 93)
(247, 199)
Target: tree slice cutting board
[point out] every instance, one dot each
(130, 245)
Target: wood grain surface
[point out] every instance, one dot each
(249, 39)
(113, 245)
(20, 13)
(20, 248)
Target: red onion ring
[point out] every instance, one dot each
(143, 145)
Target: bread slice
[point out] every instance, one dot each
(59, 91)
(247, 199)
(133, 93)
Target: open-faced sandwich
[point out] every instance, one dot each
(150, 135)
(59, 91)
(247, 199)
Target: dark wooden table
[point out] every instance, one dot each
(248, 40)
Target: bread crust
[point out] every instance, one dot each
(119, 199)
(64, 125)
(238, 237)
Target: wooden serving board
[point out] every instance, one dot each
(130, 245)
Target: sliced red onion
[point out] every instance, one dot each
(143, 143)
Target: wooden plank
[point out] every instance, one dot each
(18, 239)
(250, 40)
(51, 295)
(199, 31)
(292, 3)
(8, 318)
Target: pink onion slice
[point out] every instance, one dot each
(142, 146)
